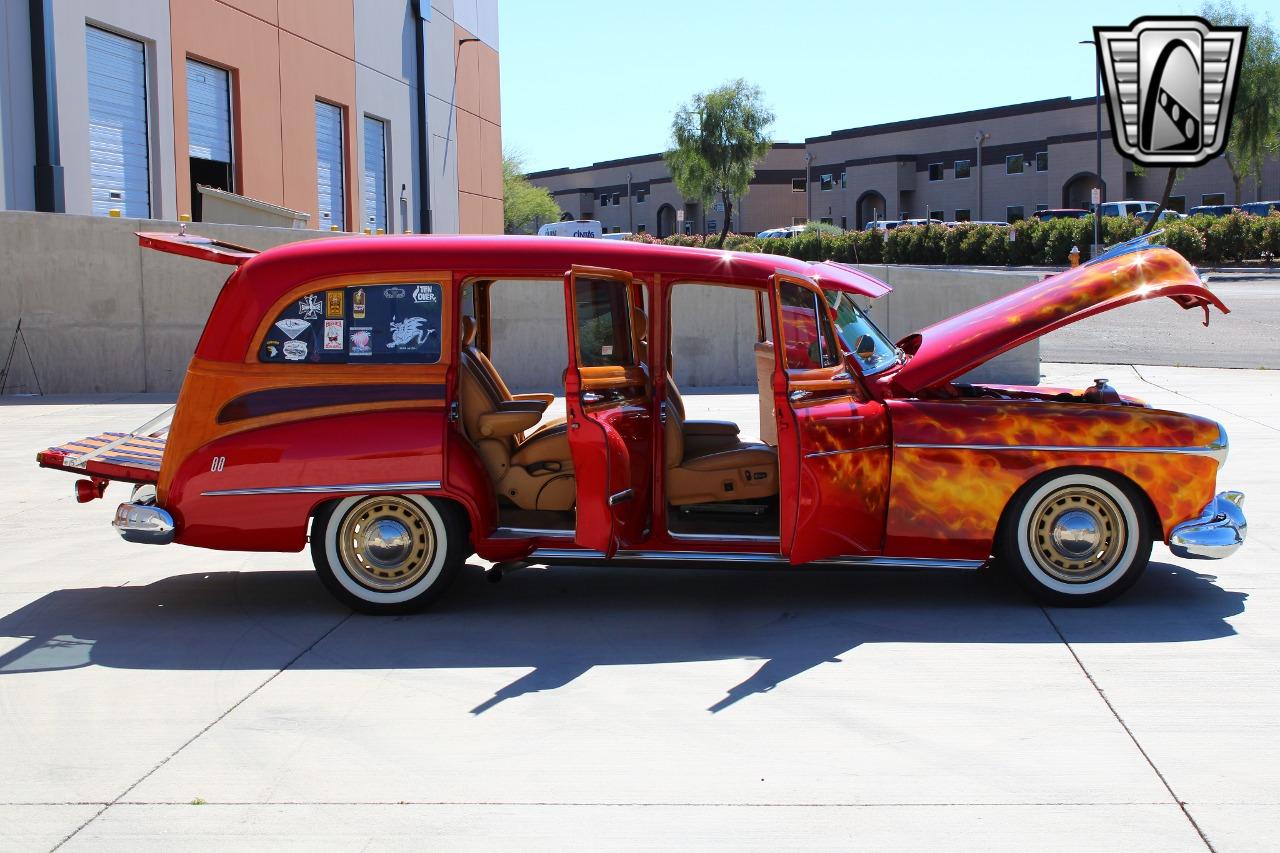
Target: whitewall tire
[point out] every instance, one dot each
(388, 553)
(1076, 538)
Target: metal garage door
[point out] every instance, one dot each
(375, 174)
(329, 166)
(119, 176)
(208, 112)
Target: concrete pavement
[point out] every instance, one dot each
(153, 698)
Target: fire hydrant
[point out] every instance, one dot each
(1074, 255)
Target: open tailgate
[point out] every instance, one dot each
(120, 456)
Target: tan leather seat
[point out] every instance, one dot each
(532, 470)
(706, 461)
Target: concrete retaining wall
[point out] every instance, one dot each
(101, 314)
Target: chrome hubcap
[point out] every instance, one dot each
(386, 543)
(1077, 534)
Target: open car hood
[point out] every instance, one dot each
(1128, 273)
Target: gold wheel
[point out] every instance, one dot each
(1077, 534)
(386, 543)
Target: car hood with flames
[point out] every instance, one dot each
(1129, 273)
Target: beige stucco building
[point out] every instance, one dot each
(1034, 155)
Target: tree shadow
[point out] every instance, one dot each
(560, 624)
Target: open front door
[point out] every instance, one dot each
(608, 404)
(833, 438)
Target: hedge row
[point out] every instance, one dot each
(1200, 239)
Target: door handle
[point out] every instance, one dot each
(621, 497)
(591, 397)
(796, 396)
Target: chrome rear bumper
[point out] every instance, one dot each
(144, 523)
(1218, 532)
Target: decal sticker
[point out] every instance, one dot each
(310, 307)
(292, 326)
(404, 333)
(424, 293)
(357, 305)
(333, 334)
(361, 340)
(393, 292)
(295, 350)
(273, 349)
(607, 349)
(334, 303)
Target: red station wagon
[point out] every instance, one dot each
(343, 394)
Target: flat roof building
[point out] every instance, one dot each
(1036, 155)
(345, 110)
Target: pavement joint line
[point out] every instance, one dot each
(200, 733)
(591, 804)
(1128, 731)
(1134, 368)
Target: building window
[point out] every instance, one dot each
(826, 220)
(1013, 164)
(119, 167)
(844, 220)
(604, 199)
(330, 180)
(712, 226)
(938, 215)
(842, 180)
(374, 184)
(617, 198)
(1042, 161)
(962, 214)
(935, 171)
(1013, 213)
(961, 169)
(827, 183)
(1213, 198)
(1042, 207)
(799, 185)
(1178, 203)
(641, 195)
(797, 220)
(208, 131)
(640, 229)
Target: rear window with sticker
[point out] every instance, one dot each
(359, 324)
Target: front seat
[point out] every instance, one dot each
(533, 471)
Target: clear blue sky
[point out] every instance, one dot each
(599, 79)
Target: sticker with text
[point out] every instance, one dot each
(333, 334)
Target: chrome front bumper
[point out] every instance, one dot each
(144, 523)
(1217, 533)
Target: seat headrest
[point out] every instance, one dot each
(640, 322)
(468, 330)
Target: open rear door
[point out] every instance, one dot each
(195, 246)
(608, 403)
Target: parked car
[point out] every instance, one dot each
(572, 228)
(343, 398)
(882, 224)
(1129, 207)
(1166, 215)
(1212, 210)
(1060, 213)
(1261, 208)
(788, 231)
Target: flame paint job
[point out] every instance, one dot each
(947, 502)
(945, 350)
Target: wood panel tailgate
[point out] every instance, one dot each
(135, 459)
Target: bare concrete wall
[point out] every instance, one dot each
(101, 314)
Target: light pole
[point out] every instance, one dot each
(1097, 116)
(980, 137)
(808, 190)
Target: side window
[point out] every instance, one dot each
(361, 324)
(807, 339)
(604, 323)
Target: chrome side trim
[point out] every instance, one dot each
(715, 537)
(574, 555)
(820, 453)
(529, 532)
(1214, 450)
(1217, 532)
(421, 486)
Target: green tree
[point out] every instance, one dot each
(524, 206)
(718, 138)
(1255, 125)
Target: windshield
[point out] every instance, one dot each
(859, 335)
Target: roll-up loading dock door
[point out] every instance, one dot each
(119, 170)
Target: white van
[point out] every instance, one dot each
(1128, 207)
(571, 228)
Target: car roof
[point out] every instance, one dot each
(264, 279)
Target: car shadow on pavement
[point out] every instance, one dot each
(561, 623)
